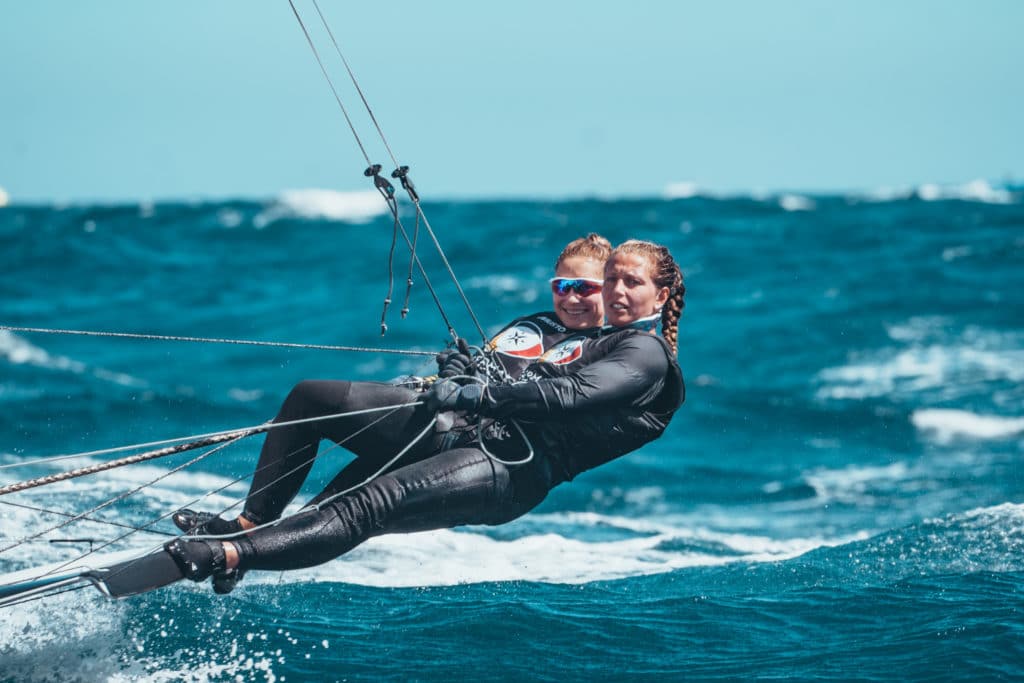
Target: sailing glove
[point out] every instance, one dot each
(454, 362)
(447, 396)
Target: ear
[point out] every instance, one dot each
(662, 298)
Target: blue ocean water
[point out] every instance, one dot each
(841, 497)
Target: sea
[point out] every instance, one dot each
(840, 498)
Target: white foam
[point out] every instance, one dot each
(5, 198)
(854, 484)
(945, 425)
(19, 351)
(922, 367)
(883, 194)
(979, 190)
(230, 218)
(349, 207)
(974, 191)
(1014, 511)
(504, 286)
(955, 253)
(681, 190)
(49, 640)
(245, 395)
(445, 557)
(795, 202)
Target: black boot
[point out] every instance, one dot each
(225, 581)
(196, 523)
(197, 559)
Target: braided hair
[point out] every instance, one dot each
(665, 272)
(593, 246)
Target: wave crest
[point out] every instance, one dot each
(333, 205)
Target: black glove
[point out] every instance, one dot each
(452, 362)
(445, 395)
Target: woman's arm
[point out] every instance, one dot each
(630, 375)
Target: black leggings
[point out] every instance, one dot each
(426, 489)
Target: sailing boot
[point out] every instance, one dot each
(225, 581)
(197, 559)
(196, 523)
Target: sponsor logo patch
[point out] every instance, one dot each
(566, 352)
(523, 340)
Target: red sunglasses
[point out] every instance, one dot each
(583, 286)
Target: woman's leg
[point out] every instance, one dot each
(455, 487)
(288, 452)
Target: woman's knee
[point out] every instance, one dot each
(310, 396)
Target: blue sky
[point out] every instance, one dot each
(126, 99)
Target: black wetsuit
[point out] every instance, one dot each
(580, 407)
(288, 453)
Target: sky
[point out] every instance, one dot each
(126, 100)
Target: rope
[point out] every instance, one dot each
(255, 430)
(207, 340)
(355, 83)
(324, 70)
(400, 172)
(130, 460)
(111, 501)
(85, 518)
(269, 484)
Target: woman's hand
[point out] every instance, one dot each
(447, 396)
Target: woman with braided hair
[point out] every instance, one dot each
(595, 399)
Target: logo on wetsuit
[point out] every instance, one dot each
(565, 352)
(522, 340)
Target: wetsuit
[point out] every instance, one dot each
(288, 453)
(615, 393)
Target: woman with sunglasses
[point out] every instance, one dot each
(375, 438)
(619, 392)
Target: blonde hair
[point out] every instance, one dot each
(665, 273)
(592, 246)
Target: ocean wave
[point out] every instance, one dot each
(933, 361)
(40, 643)
(683, 190)
(858, 484)
(507, 288)
(464, 557)
(347, 207)
(984, 539)
(987, 538)
(947, 425)
(787, 201)
(978, 190)
(795, 202)
(973, 191)
(160, 491)
(19, 351)
(5, 198)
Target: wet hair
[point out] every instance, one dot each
(665, 273)
(592, 246)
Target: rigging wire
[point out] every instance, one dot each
(120, 496)
(337, 97)
(48, 594)
(86, 518)
(301, 465)
(207, 340)
(400, 172)
(248, 431)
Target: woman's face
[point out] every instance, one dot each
(578, 309)
(629, 291)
